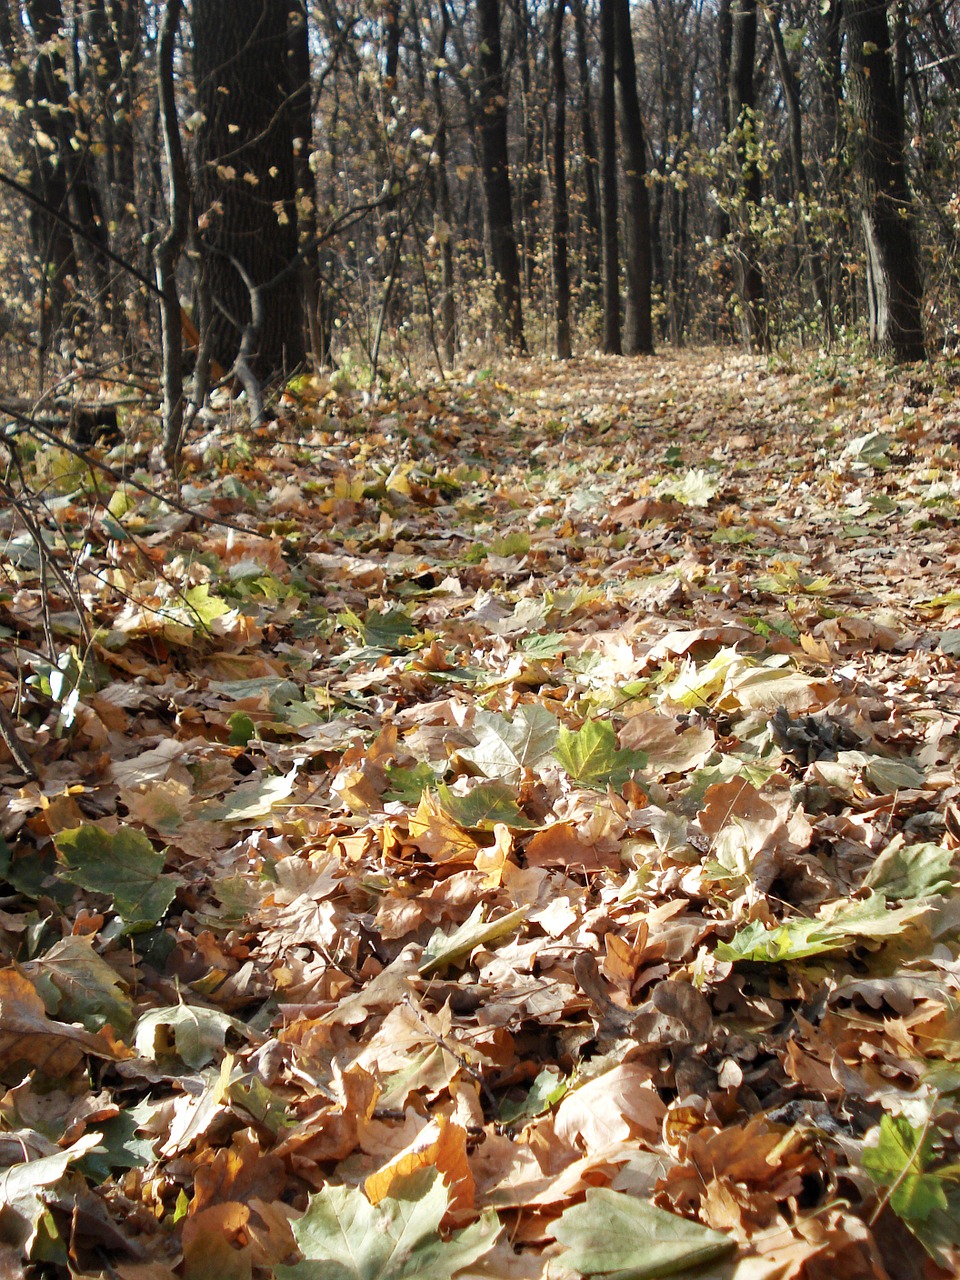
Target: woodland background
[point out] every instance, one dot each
(413, 179)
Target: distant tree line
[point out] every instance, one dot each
(269, 180)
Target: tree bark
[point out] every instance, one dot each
(561, 219)
(591, 159)
(638, 322)
(609, 203)
(172, 242)
(894, 289)
(502, 256)
(753, 311)
(444, 230)
(246, 184)
(301, 119)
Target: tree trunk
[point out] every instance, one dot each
(753, 311)
(638, 322)
(301, 119)
(591, 160)
(894, 290)
(724, 42)
(441, 182)
(561, 220)
(502, 257)
(609, 203)
(246, 184)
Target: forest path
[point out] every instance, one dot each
(548, 784)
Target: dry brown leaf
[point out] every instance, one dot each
(442, 1145)
(31, 1040)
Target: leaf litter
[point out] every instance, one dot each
(520, 841)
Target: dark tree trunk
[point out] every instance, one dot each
(561, 220)
(390, 22)
(62, 173)
(753, 312)
(638, 322)
(502, 257)
(591, 160)
(608, 180)
(441, 195)
(246, 184)
(724, 42)
(894, 290)
(530, 168)
(301, 119)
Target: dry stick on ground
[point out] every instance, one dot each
(11, 740)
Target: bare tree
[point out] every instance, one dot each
(894, 289)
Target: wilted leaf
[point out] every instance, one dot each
(88, 989)
(911, 871)
(22, 1187)
(342, 1236)
(834, 929)
(507, 747)
(619, 1236)
(443, 950)
(125, 866)
(440, 1145)
(484, 805)
(31, 1040)
(198, 1033)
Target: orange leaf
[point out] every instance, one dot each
(442, 1145)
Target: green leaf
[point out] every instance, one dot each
(443, 950)
(912, 871)
(515, 543)
(798, 939)
(199, 1034)
(505, 748)
(389, 630)
(119, 1146)
(408, 785)
(590, 755)
(550, 645)
(548, 1088)
(484, 806)
(898, 1160)
(242, 729)
(125, 866)
(342, 1236)
(203, 605)
(619, 1236)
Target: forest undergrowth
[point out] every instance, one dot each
(507, 828)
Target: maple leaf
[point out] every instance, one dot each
(623, 1238)
(126, 866)
(342, 1236)
(590, 755)
(506, 748)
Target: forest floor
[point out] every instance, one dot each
(508, 829)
